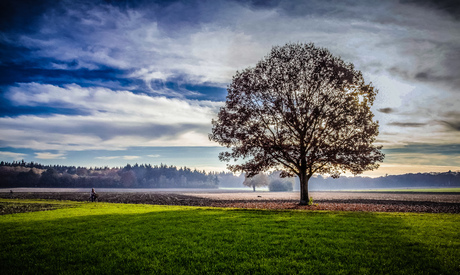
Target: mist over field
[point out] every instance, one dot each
(140, 178)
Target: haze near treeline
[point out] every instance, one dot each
(36, 175)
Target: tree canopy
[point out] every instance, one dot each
(300, 110)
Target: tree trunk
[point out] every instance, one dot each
(304, 196)
(254, 188)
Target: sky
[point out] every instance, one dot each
(106, 83)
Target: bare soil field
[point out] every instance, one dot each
(335, 201)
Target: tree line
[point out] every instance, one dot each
(22, 174)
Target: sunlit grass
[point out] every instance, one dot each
(108, 238)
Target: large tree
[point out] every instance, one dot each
(300, 110)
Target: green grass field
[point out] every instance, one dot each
(103, 238)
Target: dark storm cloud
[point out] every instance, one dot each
(451, 120)
(180, 84)
(435, 62)
(429, 76)
(22, 15)
(407, 124)
(448, 67)
(452, 125)
(387, 110)
(451, 7)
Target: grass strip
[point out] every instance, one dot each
(103, 238)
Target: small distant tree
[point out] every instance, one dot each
(258, 180)
(300, 110)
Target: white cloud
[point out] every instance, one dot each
(119, 157)
(131, 157)
(47, 155)
(108, 158)
(125, 157)
(18, 134)
(110, 120)
(105, 103)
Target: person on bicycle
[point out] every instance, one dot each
(93, 195)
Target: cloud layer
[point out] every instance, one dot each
(105, 75)
(107, 119)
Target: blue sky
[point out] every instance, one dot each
(96, 83)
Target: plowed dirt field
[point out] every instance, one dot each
(336, 201)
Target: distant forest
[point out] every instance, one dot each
(23, 174)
